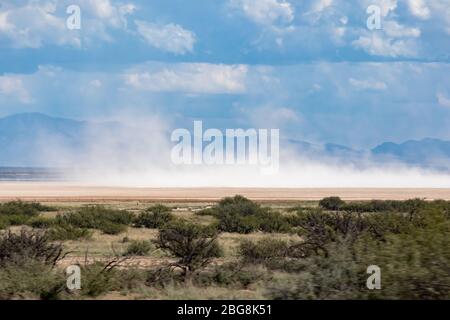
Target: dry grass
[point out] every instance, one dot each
(190, 292)
(103, 247)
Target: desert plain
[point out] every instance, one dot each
(61, 191)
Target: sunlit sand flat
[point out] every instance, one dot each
(56, 191)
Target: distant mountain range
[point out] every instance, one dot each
(426, 152)
(34, 139)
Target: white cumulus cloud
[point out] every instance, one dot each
(266, 12)
(190, 78)
(170, 37)
(34, 24)
(377, 44)
(419, 9)
(13, 87)
(321, 5)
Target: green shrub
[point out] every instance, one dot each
(233, 274)
(4, 222)
(65, 232)
(17, 219)
(130, 278)
(138, 248)
(318, 227)
(27, 261)
(206, 212)
(263, 251)
(194, 245)
(112, 228)
(31, 280)
(241, 215)
(154, 217)
(407, 206)
(414, 263)
(331, 203)
(337, 275)
(16, 213)
(97, 279)
(158, 208)
(97, 217)
(233, 222)
(41, 222)
(30, 209)
(238, 205)
(273, 222)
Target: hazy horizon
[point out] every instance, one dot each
(335, 80)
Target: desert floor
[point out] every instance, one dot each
(57, 191)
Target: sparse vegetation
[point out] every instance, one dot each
(242, 250)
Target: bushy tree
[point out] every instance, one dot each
(241, 215)
(331, 203)
(154, 217)
(194, 245)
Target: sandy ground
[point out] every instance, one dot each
(57, 191)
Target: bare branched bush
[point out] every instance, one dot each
(194, 245)
(18, 248)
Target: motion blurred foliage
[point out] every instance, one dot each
(411, 246)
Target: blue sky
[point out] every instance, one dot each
(309, 67)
